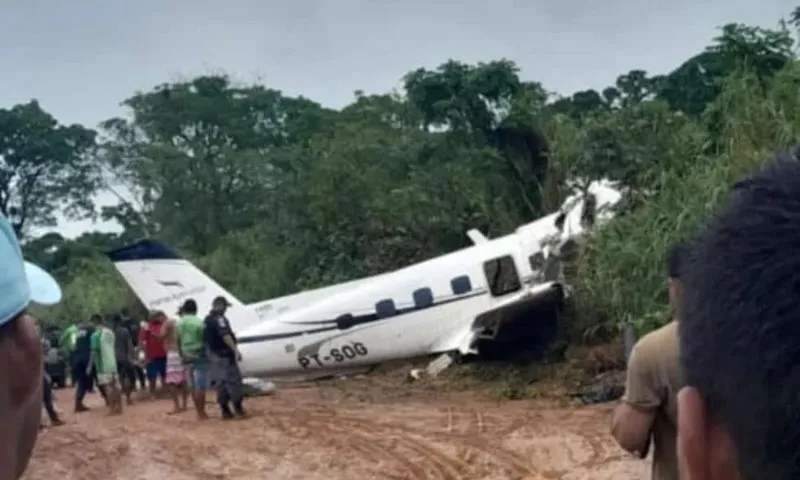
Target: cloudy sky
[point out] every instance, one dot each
(81, 59)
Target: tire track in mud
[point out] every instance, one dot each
(393, 442)
(202, 454)
(410, 459)
(289, 435)
(467, 431)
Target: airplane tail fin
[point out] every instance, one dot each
(163, 280)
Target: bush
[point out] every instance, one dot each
(623, 272)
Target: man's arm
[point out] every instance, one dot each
(228, 339)
(227, 336)
(632, 420)
(178, 341)
(143, 336)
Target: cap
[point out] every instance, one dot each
(220, 300)
(21, 282)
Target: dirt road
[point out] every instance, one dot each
(339, 431)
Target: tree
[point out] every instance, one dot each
(698, 81)
(198, 155)
(44, 167)
(272, 194)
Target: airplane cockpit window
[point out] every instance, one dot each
(501, 275)
(423, 297)
(345, 321)
(537, 262)
(569, 253)
(461, 285)
(385, 308)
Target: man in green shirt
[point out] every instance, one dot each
(104, 359)
(190, 340)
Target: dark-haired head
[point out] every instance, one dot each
(115, 320)
(676, 259)
(740, 334)
(189, 307)
(96, 319)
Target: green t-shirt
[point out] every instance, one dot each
(105, 357)
(69, 337)
(190, 333)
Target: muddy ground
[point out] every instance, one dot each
(373, 427)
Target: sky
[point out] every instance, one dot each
(81, 59)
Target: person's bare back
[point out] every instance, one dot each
(170, 336)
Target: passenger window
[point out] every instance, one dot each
(501, 274)
(385, 308)
(345, 321)
(461, 285)
(423, 298)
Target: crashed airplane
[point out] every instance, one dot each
(456, 304)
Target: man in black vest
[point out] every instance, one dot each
(224, 356)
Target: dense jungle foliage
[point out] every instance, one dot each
(271, 194)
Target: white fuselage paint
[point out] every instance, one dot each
(270, 332)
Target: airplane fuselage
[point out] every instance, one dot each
(444, 304)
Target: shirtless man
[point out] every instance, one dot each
(176, 371)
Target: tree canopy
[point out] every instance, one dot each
(271, 194)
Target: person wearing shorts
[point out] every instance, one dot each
(176, 371)
(190, 338)
(151, 339)
(104, 361)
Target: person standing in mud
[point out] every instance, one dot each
(103, 361)
(134, 327)
(224, 356)
(123, 345)
(79, 361)
(175, 371)
(21, 356)
(155, 354)
(47, 390)
(193, 351)
(649, 408)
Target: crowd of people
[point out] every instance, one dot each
(715, 391)
(185, 356)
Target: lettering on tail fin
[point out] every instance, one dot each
(177, 296)
(162, 279)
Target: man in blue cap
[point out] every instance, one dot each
(21, 362)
